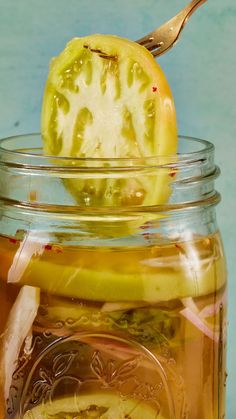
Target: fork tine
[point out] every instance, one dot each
(161, 50)
(151, 43)
(155, 46)
(144, 41)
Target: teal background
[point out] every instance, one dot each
(201, 70)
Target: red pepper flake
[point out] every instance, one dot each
(48, 247)
(13, 241)
(172, 174)
(154, 89)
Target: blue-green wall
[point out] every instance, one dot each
(201, 70)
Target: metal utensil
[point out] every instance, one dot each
(162, 39)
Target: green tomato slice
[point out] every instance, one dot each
(106, 97)
(76, 282)
(100, 274)
(99, 405)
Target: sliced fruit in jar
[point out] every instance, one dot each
(106, 97)
(144, 323)
(18, 331)
(95, 405)
(148, 274)
(104, 285)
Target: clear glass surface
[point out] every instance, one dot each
(112, 285)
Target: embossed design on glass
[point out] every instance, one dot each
(99, 364)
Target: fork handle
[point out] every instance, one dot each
(191, 7)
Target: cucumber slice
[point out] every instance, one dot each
(95, 405)
(106, 97)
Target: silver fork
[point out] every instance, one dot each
(162, 39)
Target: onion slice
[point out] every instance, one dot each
(194, 318)
(213, 309)
(189, 303)
(18, 330)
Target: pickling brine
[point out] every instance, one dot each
(112, 332)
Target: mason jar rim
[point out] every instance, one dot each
(189, 174)
(24, 156)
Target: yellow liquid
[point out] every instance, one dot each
(112, 332)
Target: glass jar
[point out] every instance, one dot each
(112, 285)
